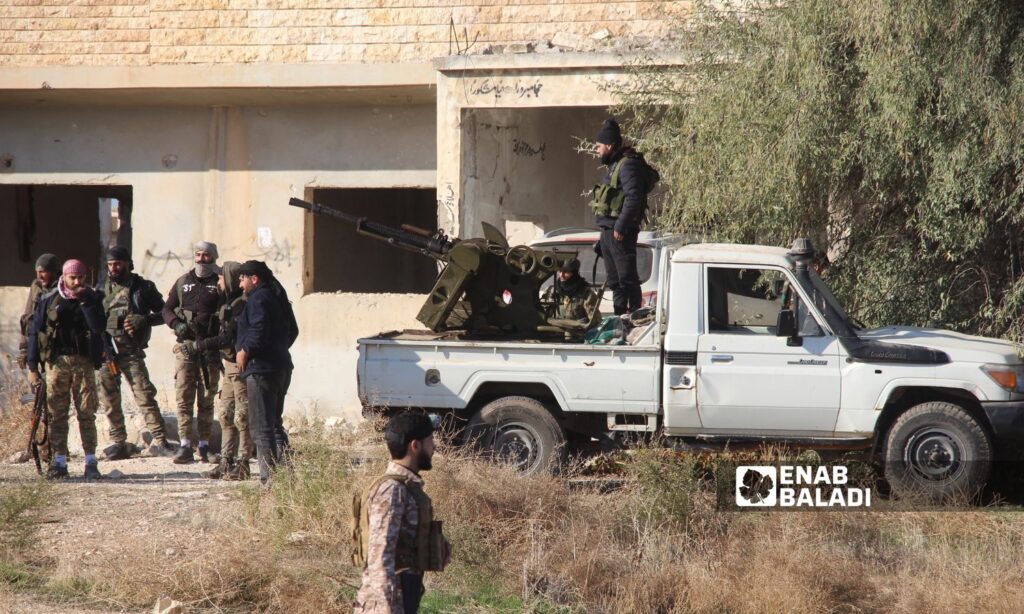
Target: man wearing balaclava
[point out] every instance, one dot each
(132, 306)
(619, 203)
(47, 273)
(67, 341)
(191, 312)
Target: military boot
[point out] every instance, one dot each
(183, 456)
(204, 453)
(118, 451)
(57, 472)
(239, 471)
(162, 447)
(221, 471)
(92, 471)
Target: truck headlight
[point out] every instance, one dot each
(1009, 377)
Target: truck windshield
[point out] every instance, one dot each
(818, 290)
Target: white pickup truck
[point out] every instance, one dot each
(748, 345)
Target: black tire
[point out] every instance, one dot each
(938, 452)
(519, 431)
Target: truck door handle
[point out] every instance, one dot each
(588, 363)
(721, 358)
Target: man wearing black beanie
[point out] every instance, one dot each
(132, 306)
(47, 273)
(619, 204)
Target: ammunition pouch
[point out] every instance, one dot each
(424, 552)
(607, 200)
(609, 197)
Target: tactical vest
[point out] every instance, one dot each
(187, 315)
(425, 552)
(228, 314)
(609, 197)
(116, 304)
(50, 338)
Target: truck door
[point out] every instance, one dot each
(751, 381)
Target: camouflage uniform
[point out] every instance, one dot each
(71, 376)
(570, 299)
(234, 415)
(35, 291)
(139, 297)
(393, 515)
(193, 304)
(67, 335)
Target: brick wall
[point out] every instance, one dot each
(145, 32)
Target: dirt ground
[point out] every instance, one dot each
(156, 507)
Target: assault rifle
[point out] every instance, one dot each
(40, 415)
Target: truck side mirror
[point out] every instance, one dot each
(786, 327)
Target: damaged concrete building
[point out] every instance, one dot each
(157, 123)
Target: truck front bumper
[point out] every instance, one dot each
(1006, 418)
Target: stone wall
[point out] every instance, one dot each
(149, 32)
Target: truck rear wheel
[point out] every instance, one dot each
(519, 431)
(939, 452)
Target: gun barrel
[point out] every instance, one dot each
(436, 246)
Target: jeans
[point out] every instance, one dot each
(620, 270)
(266, 405)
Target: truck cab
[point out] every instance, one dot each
(748, 345)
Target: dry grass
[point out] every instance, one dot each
(538, 544)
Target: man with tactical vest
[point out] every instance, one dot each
(132, 306)
(191, 311)
(395, 537)
(67, 338)
(620, 202)
(233, 401)
(570, 294)
(47, 272)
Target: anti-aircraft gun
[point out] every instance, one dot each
(485, 287)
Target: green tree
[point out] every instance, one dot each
(890, 131)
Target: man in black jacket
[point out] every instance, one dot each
(191, 311)
(620, 202)
(266, 329)
(132, 306)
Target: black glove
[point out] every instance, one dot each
(180, 329)
(187, 349)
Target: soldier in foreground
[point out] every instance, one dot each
(132, 306)
(47, 273)
(233, 402)
(395, 535)
(67, 337)
(191, 312)
(266, 329)
(569, 294)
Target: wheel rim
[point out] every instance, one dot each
(517, 444)
(934, 454)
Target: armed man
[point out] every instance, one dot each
(233, 402)
(191, 312)
(266, 329)
(394, 533)
(47, 272)
(67, 337)
(570, 294)
(620, 202)
(132, 306)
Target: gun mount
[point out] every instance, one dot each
(484, 287)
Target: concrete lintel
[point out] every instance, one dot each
(550, 61)
(196, 76)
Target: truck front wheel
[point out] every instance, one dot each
(519, 431)
(939, 452)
